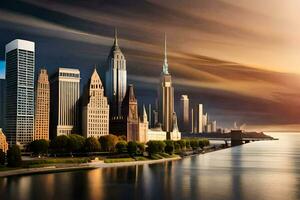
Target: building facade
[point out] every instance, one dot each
(20, 66)
(3, 142)
(42, 106)
(184, 113)
(130, 124)
(64, 103)
(198, 117)
(116, 79)
(166, 96)
(2, 97)
(95, 109)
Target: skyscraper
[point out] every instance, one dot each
(95, 111)
(65, 93)
(185, 113)
(20, 64)
(166, 96)
(214, 126)
(42, 106)
(116, 78)
(2, 96)
(205, 122)
(198, 117)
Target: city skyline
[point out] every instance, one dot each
(218, 82)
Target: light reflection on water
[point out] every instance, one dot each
(259, 170)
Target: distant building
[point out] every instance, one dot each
(214, 126)
(198, 118)
(166, 96)
(2, 95)
(184, 113)
(20, 65)
(192, 121)
(208, 128)
(116, 79)
(3, 142)
(42, 106)
(65, 93)
(95, 111)
(150, 113)
(129, 124)
(156, 134)
(205, 121)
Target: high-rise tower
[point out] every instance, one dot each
(95, 111)
(65, 93)
(198, 117)
(116, 78)
(185, 113)
(42, 107)
(2, 96)
(166, 96)
(20, 64)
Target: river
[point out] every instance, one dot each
(265, 170)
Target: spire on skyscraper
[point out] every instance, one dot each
(116, 37)
(165, 65)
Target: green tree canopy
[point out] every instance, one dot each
(14, 158)
(155, 147)
(75, 143)
(92, 144)
(169, 148)
(194, 144)
(121, 146)
(39, 146)
(60, 144)
(108, 142)
(132, 147)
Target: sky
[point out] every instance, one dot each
(239, 58)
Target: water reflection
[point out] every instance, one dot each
(260, 170)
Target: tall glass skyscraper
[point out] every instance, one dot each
(2, 96)
(20, 64)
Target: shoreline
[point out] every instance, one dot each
(91, 165)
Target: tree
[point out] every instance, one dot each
(182, 144)
(121, 147)
(132, 147)
(92, 144)
(155, 147)
(194, 144)
(187, 144)
(14, 158)
(169, 148)
(39, 146)
(161, 146)
(141, 147)
(177, 146)
(2, 157)
(75, 143)
(108, 142)
(60, 144)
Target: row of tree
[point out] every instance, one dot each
(109, 143)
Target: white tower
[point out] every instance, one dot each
(20, 64)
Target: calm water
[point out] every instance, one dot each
(256, 171)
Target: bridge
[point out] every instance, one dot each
(235, 137)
